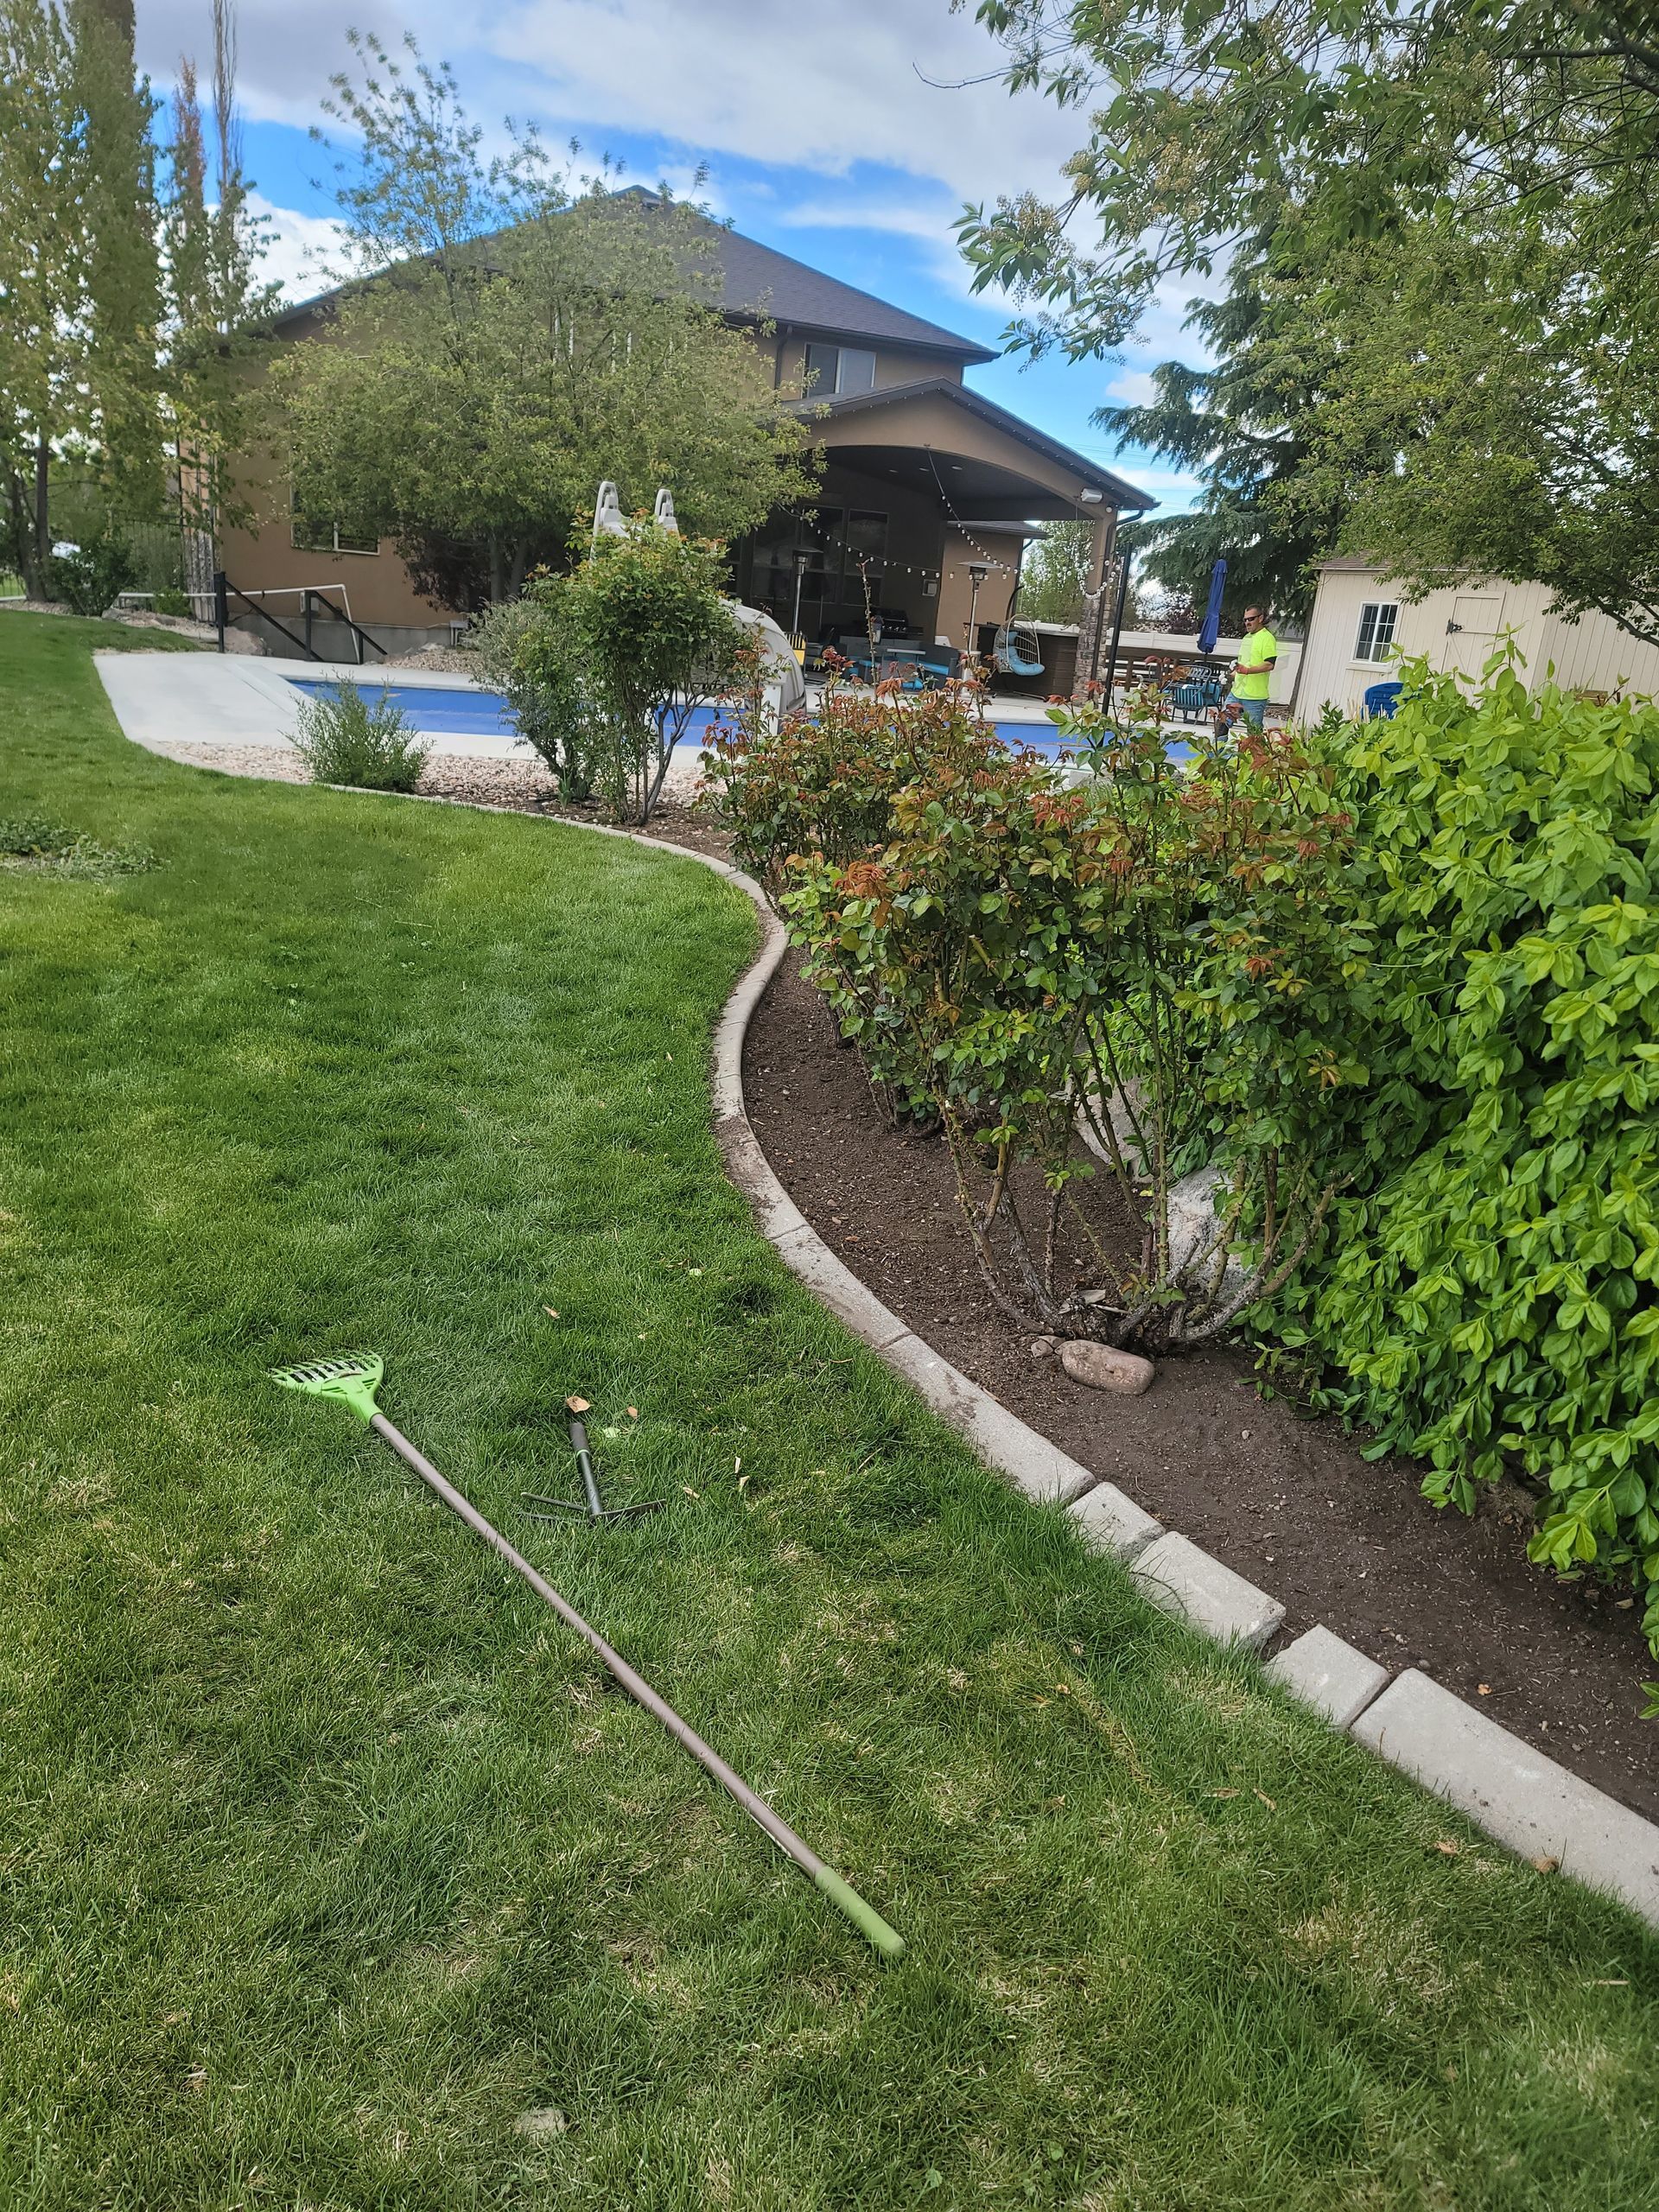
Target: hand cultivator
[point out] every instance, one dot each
(590, 1502)
(351, 1379)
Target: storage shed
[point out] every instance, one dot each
(1363, 625)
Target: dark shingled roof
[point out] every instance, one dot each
(759, 282)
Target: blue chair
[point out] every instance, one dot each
(1381, 700)
(1012, 658)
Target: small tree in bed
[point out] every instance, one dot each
(657, 640)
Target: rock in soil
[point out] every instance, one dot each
(1101, 1368)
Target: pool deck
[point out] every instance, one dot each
(229, 700)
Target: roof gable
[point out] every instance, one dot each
(1119, 494)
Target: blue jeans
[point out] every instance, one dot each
(1254, 710)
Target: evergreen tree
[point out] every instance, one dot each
(1243, 426)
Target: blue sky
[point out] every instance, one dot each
(817, 127)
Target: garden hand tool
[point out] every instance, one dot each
(351, 1379)
(590, 1502)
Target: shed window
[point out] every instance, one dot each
(1376, 621)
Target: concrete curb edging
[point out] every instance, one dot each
(1522, 1799)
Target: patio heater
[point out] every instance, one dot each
(803, 563)
(977, 572)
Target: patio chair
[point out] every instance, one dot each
(1381, 700)
(1012, 657)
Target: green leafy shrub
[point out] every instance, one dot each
(533, 649)
(658, 640)
(1488, 1286)
(175, 604)
(90, 581)
(1015, 956)
(344, 737)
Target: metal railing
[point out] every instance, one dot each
(309, 596)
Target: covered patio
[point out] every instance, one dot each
(929, 494)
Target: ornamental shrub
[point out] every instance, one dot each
(1009, 954)
(533, 648)
(344, 739)
(91, 579)
(1486, 1290)
(658, 640)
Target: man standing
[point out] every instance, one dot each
(1253, 671)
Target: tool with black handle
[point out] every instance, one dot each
(591, 1504)
(351, 1379)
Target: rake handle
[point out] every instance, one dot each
(840, 1893)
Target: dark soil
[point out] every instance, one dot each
(1282, 1497)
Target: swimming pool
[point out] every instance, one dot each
(433, 710)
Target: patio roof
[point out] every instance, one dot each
(1114, 491)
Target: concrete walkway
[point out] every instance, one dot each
(226, 701)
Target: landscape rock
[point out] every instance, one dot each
(1099, 1367)
(1195, 1229)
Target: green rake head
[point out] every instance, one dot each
(351, 1378)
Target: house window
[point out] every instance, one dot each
(1376, 621)
(832, 371)
(308, 535)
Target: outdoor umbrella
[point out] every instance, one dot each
(1211, 627)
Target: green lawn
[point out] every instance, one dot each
(325, 1855)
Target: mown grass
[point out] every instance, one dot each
(325, 1856)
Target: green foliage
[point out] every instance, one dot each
(123, 302)
(1447, 213)
(400, 1076)
(1244, 427)
(510, 341)
(1147, 953)
(1488, 1289)
(345, 737)
(33, 841)
(657, 639)
(175, 604)
(532, 649)
(1054, 574)
(93, 579)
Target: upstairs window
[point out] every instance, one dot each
(1376, 621)
(833, 371)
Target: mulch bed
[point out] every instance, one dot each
(1281, 1496)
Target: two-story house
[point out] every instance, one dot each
(932, 487)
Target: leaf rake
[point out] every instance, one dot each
(351, 1379)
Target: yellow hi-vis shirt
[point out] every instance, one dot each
(1260, 646)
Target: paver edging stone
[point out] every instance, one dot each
(1607, 1845)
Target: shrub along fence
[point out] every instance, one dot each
(1395, 984)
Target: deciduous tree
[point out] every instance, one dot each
(1451, 207)
(506, 340)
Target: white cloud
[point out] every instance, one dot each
(298, 248)
(1132, 387)
(775, 83)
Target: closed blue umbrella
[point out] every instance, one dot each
(1211, 629)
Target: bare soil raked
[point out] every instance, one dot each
(1281, 1496)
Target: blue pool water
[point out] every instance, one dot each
(431, 708)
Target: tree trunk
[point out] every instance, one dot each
(42, 514)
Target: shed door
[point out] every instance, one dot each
(1472, 631)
